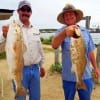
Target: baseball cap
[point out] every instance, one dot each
(23, 3)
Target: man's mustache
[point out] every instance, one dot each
(25, 15)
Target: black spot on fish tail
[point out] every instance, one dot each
(20, 92)
(81, 85)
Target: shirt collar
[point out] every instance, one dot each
(22, 25)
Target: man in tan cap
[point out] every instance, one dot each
(77, 53)
(33, 56)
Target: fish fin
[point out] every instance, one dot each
(73, 68)
(81, 85)
(14, 47)
(21, 91)
(11, 49)
(24, 47)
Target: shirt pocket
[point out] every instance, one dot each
(36, 37)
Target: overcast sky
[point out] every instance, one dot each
(45, 11)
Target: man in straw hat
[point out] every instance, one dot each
(68, 36)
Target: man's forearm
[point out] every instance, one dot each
(57, 40)
(93, 60)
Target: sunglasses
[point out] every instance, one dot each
(26, 9)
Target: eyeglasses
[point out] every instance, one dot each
(26, 9)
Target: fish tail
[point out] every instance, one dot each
(81, 85)
(21, 91)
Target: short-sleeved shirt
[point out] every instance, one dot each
(66, 59)
(34, 52)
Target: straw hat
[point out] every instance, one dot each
(70, 7)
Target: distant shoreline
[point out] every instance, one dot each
(95, 36)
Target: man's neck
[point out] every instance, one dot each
(26, 23)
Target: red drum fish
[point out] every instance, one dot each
(14, 51)
(79, 60)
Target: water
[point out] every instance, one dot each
(95, 36)
(46, 35)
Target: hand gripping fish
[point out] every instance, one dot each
(14, 52)
(79, 60)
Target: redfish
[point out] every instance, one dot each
(79, 60)
(15, 48)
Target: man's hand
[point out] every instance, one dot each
(5, 30)
(96, 72)
(42, 72)
(72, 31)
